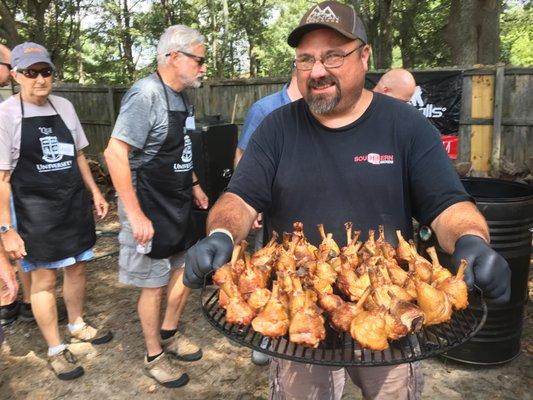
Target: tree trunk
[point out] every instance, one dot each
(473, 31)
(8, 28)
(406, 32)
(127, 42)
(376, 16)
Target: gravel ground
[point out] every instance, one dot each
(114, 371)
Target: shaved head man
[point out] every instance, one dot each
(398, 83)
(5, 65)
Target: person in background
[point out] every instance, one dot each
(10, 307)
(150, 161)
(398, 83)
(344, 153)
(51, 226)
(259, 110)
(8, 279)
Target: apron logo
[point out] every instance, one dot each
(50, 147)
(45, 131)
(186, 156)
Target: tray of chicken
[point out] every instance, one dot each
(362, 304)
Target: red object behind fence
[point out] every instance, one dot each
(451, 144)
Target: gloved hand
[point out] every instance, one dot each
(206, 256)
(486, 268)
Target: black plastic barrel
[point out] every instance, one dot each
(508, 208)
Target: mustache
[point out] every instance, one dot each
(325, 80)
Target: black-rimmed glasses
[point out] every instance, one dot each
(331, 60)
(6, 64)
(34, 73)
(198, 59)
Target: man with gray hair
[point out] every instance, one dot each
(150, 161)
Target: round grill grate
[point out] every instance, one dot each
(339, 349)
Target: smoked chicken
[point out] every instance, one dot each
(455, 288)
(273, 321)
(363, 289)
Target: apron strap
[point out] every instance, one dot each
(188, 106)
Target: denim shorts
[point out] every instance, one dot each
(28, 266)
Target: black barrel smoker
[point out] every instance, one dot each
(213, 147)
(508, 209)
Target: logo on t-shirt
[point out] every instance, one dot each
(374, 158)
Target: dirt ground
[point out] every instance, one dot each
(114, 371)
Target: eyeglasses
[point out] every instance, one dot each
(34, 73)
(198, 59)
(6, 64)
(331, 60)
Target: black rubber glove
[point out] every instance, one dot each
(206, 256)
(486, 268)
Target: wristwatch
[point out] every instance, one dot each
(5, 227)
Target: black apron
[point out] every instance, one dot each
(164, 187)
(52, 205)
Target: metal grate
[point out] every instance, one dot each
(339, 349)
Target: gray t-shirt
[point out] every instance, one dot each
(143, 119)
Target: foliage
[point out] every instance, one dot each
(517, 35)
(114, 41)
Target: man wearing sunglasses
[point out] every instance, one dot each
(49, 225)
(150, 161)
(344, 153)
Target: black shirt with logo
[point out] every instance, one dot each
(385, 168)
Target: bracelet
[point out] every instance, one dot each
(195, 183)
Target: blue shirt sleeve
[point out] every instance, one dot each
(253, 119)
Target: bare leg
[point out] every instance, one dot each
(25, 279)
(74, 291)
(148, 307)
(177, 294)
(43, 302)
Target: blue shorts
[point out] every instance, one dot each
(28, 266)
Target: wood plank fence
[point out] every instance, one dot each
(496, 123)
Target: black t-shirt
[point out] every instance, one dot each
(385, 168)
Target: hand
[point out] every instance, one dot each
(258, 222)
(13, 245)
(100, 204)
(206, 256)
(9, 278)
(199, 197)
(143, 230)
(485, 267)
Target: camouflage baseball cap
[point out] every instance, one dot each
(333, 15)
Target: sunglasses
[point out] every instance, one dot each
(6, 64)
(34, 73)
(198, 59)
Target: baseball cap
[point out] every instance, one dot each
(29, 53)
(329, 14)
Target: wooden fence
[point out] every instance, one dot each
(496, 124)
